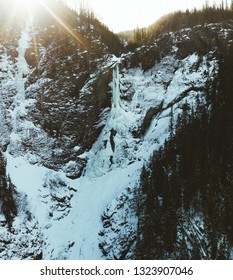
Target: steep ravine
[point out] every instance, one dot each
(76, 139)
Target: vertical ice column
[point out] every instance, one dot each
(116, 86)
(22, 66)
(22, 70)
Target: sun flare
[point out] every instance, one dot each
(24, 7)
(29, 11)
(26, 3)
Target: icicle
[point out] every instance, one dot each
(116, 86)
(22, 66)
(22, 70)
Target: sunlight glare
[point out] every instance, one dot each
(26, 3)
(25, 7)
(31, 9)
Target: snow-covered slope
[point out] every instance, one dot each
(77, 159)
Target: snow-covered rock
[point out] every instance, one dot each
(77, 125)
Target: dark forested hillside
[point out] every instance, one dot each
(7, 195)
(188, 186)
(179, 20)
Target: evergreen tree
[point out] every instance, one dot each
(231, 6)
(7, 194)
(191, 175)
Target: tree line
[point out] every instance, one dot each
(8, 205)
(182, 19)
(187, 189)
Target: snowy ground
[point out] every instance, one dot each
(69, 211)
(75, 234)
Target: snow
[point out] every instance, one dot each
(83, 222)
(91, 202)
(69, 211)
(75, 236)
(18, 80)
(27, 178)
(116, 86)
(22, 66)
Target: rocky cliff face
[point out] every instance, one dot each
(56, 69)
(161, 83)
(79, 120)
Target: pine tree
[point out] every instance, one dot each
(231, 6)
(7, 194)
(222, 5)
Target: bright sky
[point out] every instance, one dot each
(120, 15)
